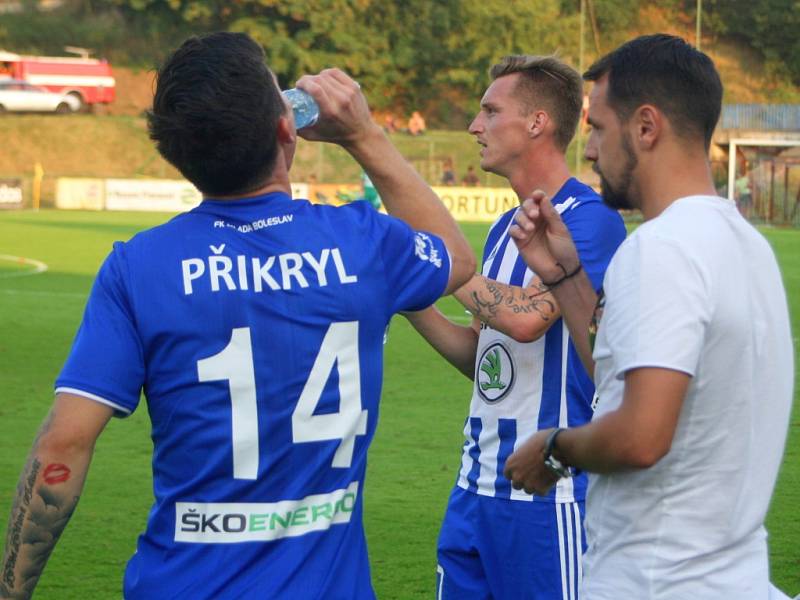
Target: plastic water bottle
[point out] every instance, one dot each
(304, 107)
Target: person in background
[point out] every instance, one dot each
(496, 542)
(470, 178)
(693, 355)
(369, 193)
(416, 124)
(744, 193)
(261, 373)
(448, 173)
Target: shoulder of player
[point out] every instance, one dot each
(586, 205)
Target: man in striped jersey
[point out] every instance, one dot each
(497, 542)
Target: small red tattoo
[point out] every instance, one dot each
(56, 473)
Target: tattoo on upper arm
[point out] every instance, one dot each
(486, 305)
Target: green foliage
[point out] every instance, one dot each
(769, 26)
(410, 54)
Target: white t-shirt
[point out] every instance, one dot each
(696, 290)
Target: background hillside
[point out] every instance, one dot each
(407, 54)
(418, 54)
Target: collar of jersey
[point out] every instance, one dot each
(571, 187)
(274, 197)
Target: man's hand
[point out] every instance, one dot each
(543, 240)
(525, 467)
(344, 114)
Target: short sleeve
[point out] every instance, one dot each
(416, 263)
(597, 232)
(106, 361)
(657, 307)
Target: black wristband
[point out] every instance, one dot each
(551, 462)
(550, 442)
(565, 277)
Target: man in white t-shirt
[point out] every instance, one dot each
(693, 358)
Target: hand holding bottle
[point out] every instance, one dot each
(344, 116)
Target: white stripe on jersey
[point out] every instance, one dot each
(521, 403)
(489, 443)
(578, 540)
(493, 254)
(561, 557)
(564, 489)
(570, 548)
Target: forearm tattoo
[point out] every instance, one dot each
(487, 302)
(40, 512)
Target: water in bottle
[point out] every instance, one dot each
(304, 107)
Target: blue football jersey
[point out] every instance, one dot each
(254, 328)
(521, 388)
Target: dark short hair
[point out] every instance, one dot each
(548, 84)
(667, 72)
(215, 113)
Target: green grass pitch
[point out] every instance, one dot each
(413, 460)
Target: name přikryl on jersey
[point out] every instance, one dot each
(278, 272)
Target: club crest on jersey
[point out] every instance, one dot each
(495, 376)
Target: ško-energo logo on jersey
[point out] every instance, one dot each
(221, 523)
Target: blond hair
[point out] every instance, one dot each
(548, 84)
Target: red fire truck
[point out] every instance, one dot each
(88, 79)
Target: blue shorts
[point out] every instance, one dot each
(500, 549)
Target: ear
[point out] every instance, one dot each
(648, 122)
(537, 123)
(286, 133)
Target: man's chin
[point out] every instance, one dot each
(612, 198)
(487, 167)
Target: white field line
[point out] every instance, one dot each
(38, 266)
(11, 292)
(460, 318)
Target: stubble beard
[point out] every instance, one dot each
(619, 197)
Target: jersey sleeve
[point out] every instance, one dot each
(597, 232)
(416, 263)
(657, 308)
(106, 361)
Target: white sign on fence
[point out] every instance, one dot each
(79, 193)
(151, 194)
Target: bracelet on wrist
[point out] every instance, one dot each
(554, 465)
(566, 275)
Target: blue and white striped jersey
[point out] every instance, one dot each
(521, 388)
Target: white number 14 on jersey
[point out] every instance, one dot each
(235, 364)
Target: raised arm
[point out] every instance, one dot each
(48, 490)
(456, 343)
(547, 247)
(524, 314)
(345, 120)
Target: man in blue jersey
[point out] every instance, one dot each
(254, 326)
(497, 542)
